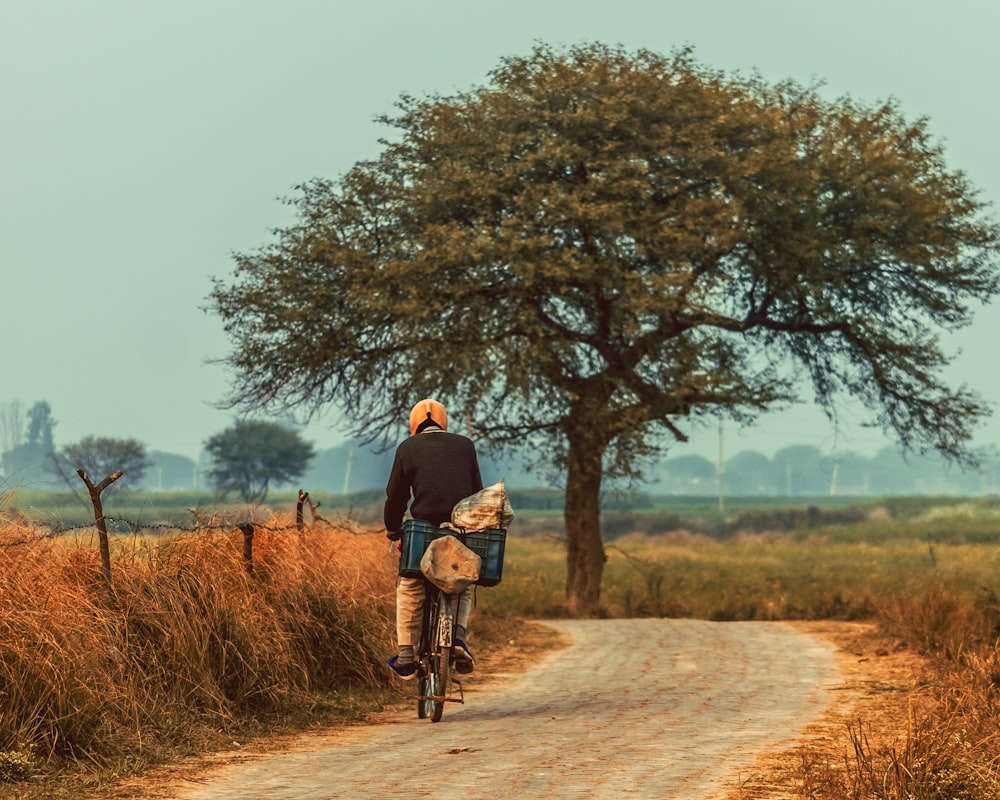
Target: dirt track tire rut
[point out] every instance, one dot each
(631, 709)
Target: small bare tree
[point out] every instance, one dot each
(99, 455)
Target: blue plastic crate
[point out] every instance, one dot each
(417, 534)
(488, 545)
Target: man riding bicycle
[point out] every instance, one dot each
(431, 472)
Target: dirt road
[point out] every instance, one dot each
(664, 709)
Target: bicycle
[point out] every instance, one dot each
(437, 682)
(436, 656)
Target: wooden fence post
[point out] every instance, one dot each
(247, 529)
(312, 508)
(304, 498)
(102, 528)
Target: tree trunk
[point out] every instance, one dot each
(585, 550)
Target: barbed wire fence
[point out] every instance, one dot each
(202, 524)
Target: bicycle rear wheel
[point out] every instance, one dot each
(436, 689)
(435, 671)
(433, 684)
(423, 706)
(431, 702)
(439, 663)
(443, 681)
(425, 679)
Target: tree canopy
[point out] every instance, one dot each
(251, 455)
(100, 456)
(597, 249)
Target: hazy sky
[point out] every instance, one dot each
(144, 142)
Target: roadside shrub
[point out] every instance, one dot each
(192, 639)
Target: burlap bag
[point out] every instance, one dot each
(450, 565)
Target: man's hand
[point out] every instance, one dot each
(394, 536)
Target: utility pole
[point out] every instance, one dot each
(347, 471)
(720, 473)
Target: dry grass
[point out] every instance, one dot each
(193, 646)
(195, 651)
(924, 721)
(951, 746)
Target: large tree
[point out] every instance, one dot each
(251, 455)
(598, 249)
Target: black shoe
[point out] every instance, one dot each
(405, 671)
(464, 662)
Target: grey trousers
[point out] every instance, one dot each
(410, 608)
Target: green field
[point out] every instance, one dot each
(623, 512)
(843, 571)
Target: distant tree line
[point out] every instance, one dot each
(798, 470)
(26, 437)
(802, 470)
(246, 459)
(249, 458)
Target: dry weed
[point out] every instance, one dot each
(192, 638)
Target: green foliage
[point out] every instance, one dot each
(635, 228)
(599, 248)
(252, 454)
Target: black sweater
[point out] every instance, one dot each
(439, 469)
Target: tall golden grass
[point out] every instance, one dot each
(949, 745)
(191, 640)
